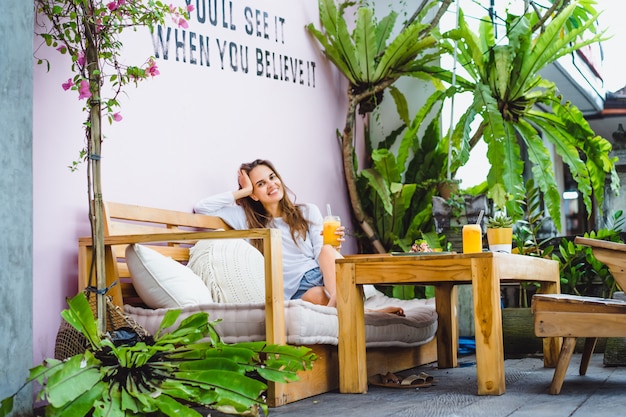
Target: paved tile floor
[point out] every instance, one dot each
(601, 393)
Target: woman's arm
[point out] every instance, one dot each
(223, 204)
(213, 204)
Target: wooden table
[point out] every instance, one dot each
(484, 271)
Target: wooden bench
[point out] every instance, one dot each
(173, 232)
(570, 316)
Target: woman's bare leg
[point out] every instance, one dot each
(327, 258)
(316, 295)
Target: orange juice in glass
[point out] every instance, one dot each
(331, 223)
(472, 238)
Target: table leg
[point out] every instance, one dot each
(488, 327)
(551, 345)
(447, 325)
(351, 317)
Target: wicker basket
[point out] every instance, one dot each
(70, 342)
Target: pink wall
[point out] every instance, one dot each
(183, 136)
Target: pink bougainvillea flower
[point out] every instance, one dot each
(112, 6)
(69, 84)
(190, 8)
(182, 23)
(83, 90)
(117, 117)
(152, 69)
(81, 59)
(62, 49)
(121, 2)
(172, 8)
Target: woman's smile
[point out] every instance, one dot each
(267, 187)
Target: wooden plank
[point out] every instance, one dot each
(134, 213)
(394, 359)
(561, 369)
(597, 243)
(324, 376)
(351, 317)
(612, 254)
(274, 293)
(447, 325)
(487, 319)
(578, 324)
(573, 303)
(551, 345)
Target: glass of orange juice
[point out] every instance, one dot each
(331, 223)
(472, 238)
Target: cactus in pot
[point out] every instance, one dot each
(500, 232)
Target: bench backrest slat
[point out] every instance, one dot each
(124, 218)
(127, 219)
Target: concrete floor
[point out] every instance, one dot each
(601, 393)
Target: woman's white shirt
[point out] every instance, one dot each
(299, 256)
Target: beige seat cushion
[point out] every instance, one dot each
(232, 269)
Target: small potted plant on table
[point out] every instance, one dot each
(500, 232)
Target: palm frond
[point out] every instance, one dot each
(383, 31)
(365, 42)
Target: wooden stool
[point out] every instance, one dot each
(570, 316)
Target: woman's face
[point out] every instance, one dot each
(266, 186)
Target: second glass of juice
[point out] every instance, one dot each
(331, 223)
(472, 238)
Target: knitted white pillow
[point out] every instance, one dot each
(232, 269)
(162, 282)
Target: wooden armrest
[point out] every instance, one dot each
(180, 236)
(597, 243)
(612, 254)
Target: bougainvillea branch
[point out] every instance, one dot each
(90, 32)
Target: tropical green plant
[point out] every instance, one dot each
(89, 31)
(168, 374)
(397, 189)
(372, 61)
(515, 107)
(528, 235)
(581, 272)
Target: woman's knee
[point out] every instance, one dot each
(329, 252)
(316, 295)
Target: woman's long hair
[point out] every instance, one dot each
(257, 217)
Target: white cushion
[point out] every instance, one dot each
(307, 323)
(161, 282)
(232, 269)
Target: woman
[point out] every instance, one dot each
(262, 201)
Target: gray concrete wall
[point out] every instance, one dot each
(16, 201)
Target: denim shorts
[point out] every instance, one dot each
(311, 278)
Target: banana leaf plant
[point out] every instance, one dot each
(171, 373)
(514, 106)
(372, 61)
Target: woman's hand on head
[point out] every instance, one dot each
(244, 181)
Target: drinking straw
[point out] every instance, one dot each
(480, 216)
(328, 209)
